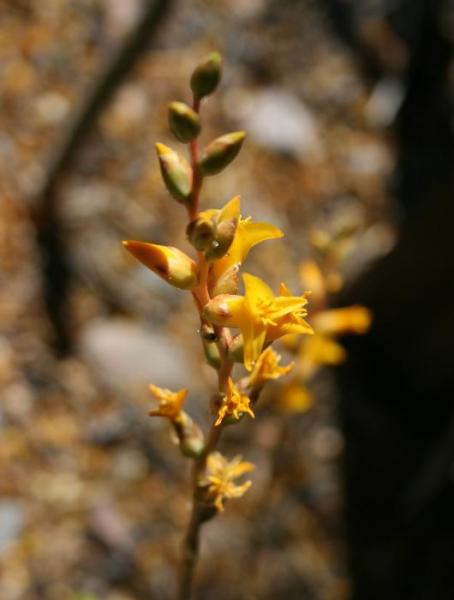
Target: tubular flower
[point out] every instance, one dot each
(221, 475)
(234, 405)
(259, 314)
(247, 235)
(169, 263)
(267, 368)
(170, 403)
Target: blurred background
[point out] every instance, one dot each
(347, 105)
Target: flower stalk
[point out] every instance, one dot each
(221, 241)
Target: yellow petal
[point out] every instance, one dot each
(256, 290)
(286, 328)
(267, 368)
(253, 341)
(248, 235)
(338, 321)
(231, 210)
(322, 350)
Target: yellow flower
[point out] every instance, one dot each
(169, 263)
(234, 405)
(267, 367)
(247, 235)
(259, 314)
(338, 321)
(221, 475)
(170, 403)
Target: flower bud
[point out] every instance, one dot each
(190, 437)
(221, 152)
(201, 232)
(168, 262)
(212, 354)
(183, 121)
(228, 282)
(176, 173)
(225, 232)
(206, 76)
(222, 309)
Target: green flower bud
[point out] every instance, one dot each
(212, 354)
(190, 437)
(225, 232)
(183, 121)
(221, 152)
(176, 173)
(201, 232)
(205, 78)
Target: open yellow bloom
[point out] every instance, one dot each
(221, 475)
(259, 314)
(247, 235)
(267, 368)
(234, 405)
(170, 403)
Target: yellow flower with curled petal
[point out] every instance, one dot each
(221, 475)
(259, 314)
(267, 368)
(170, 403)
(247, 235)
(234, 405)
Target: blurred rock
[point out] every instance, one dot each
(129, 357)
(279, 120)
(51, 108)
(11, 523)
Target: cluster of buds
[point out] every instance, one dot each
(235, 327)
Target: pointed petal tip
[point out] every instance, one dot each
(162, 148)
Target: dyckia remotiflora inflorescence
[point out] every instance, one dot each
(221, 240)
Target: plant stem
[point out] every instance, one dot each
(202, 296)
